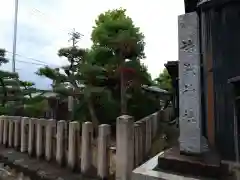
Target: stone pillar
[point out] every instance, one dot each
(140, 143)
(50, 124)
(152, 128)
(39, 145)
(31, 135)
(10, 131)
(159, 115)
(143, 131)
(5, 130)
(86, 154)
(155, 124)
(24, 123)
(189, 84)
(1, 128)
(60, 141)
(17, 134)
(72, 150)
(125, 147)
(103, 151)
(148, 134)
(136, 144)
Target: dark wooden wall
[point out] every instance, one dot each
(221, 61)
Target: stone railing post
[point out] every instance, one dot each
(10, 131)
(72, 139)
(39, 137)
(140, 143)
(137, 144)
(1, 128)
(155, 123)
(161, 115)
(86, 153)
(103, 151)
(17, 132)
(60, 141)
(24, 123)
(148, 134)
(5, 130)
(31, 135)
(125, 147)
(143, 132)
(152, 128)
(50, 124)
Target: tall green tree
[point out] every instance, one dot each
(116, 31)
(93, 76)
(14, 93)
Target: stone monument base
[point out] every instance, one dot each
(204, 165)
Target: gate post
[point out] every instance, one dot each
(86, 153)
(103, 151)
(60, 142)
(72, 139)
(125, 147)
(24, 141)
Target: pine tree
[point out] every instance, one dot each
(14, 93)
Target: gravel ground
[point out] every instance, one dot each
(10, 174)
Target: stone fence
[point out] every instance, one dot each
(62, 142)
(58, 141)
(134, 141)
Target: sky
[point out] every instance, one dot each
(43, 27)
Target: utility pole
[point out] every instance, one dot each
(15, 36)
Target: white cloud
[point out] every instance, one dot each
(44, 26)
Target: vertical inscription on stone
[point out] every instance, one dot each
(189, 84)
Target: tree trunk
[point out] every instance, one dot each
(93, 115)
(4, 100)
(123, 92)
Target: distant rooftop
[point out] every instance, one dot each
(43, 94)
(192, 5)
(155, 89)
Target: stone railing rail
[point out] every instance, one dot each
(61, 141)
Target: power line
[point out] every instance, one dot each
(33, 59)
(50, 20)
(27, 62)
(38, 64)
